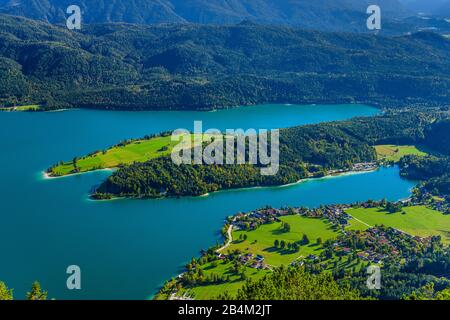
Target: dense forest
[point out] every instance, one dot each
(424, 168)
(434, 170)
(420, 279)
(164, 67)
(437, 136)
(294, 284)
(429, 268)
(342, 15)
(325, 15)
(305, 151)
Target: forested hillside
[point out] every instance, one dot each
(434, 171)
(438, 7)
(304, 151)
(335, 15)
(295, 284)
(437, 136)
(206, 67)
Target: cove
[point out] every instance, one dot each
(127, 248)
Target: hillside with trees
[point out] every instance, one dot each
(305, 151)
(342, 15)
(204, 67)
(432, 170)
(294, 284)
(428, 269)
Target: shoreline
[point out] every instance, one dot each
(58, 110)
(47, 176)
(206, 195)
(371, 104)
(334, 175)
(16, 110)
(328, 176)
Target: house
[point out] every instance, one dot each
(363, 255)
(312, 257)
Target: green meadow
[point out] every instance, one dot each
(136, 151)
(33, 107)
(395, 153)
(418, 221)
(213, 290)
(261, 241)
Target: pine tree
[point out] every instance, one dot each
(36, 292)
(5, 293)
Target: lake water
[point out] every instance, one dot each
(127, 248)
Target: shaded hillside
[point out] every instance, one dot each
(348, 15)
(427, 6)
(206, 67)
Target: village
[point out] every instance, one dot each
(356, 248)
(437, 202)
(357, 167)
(374, 245)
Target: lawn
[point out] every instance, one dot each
(138, 151)
(212, 291)
(419, 220)
(261, 241)
(395, 153)
(33, 107)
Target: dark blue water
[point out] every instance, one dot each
(127, 248)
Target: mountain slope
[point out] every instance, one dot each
(426, 6)
(205, 67)
(336, 15)
(444, 10)
(135, 11)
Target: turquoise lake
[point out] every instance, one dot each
(127, 248)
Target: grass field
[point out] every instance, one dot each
(261, 241)
(138, 151)
(418, 221)
(395, 153)
(212, 291)
(33, 107)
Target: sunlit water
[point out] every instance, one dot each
(127, 248)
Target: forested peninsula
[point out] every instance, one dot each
(305, 151)
(205, 67)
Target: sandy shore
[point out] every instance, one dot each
(47, 176)
(58, 110)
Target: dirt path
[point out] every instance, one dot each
(372, 226)
(362, 222)
(230, 239)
